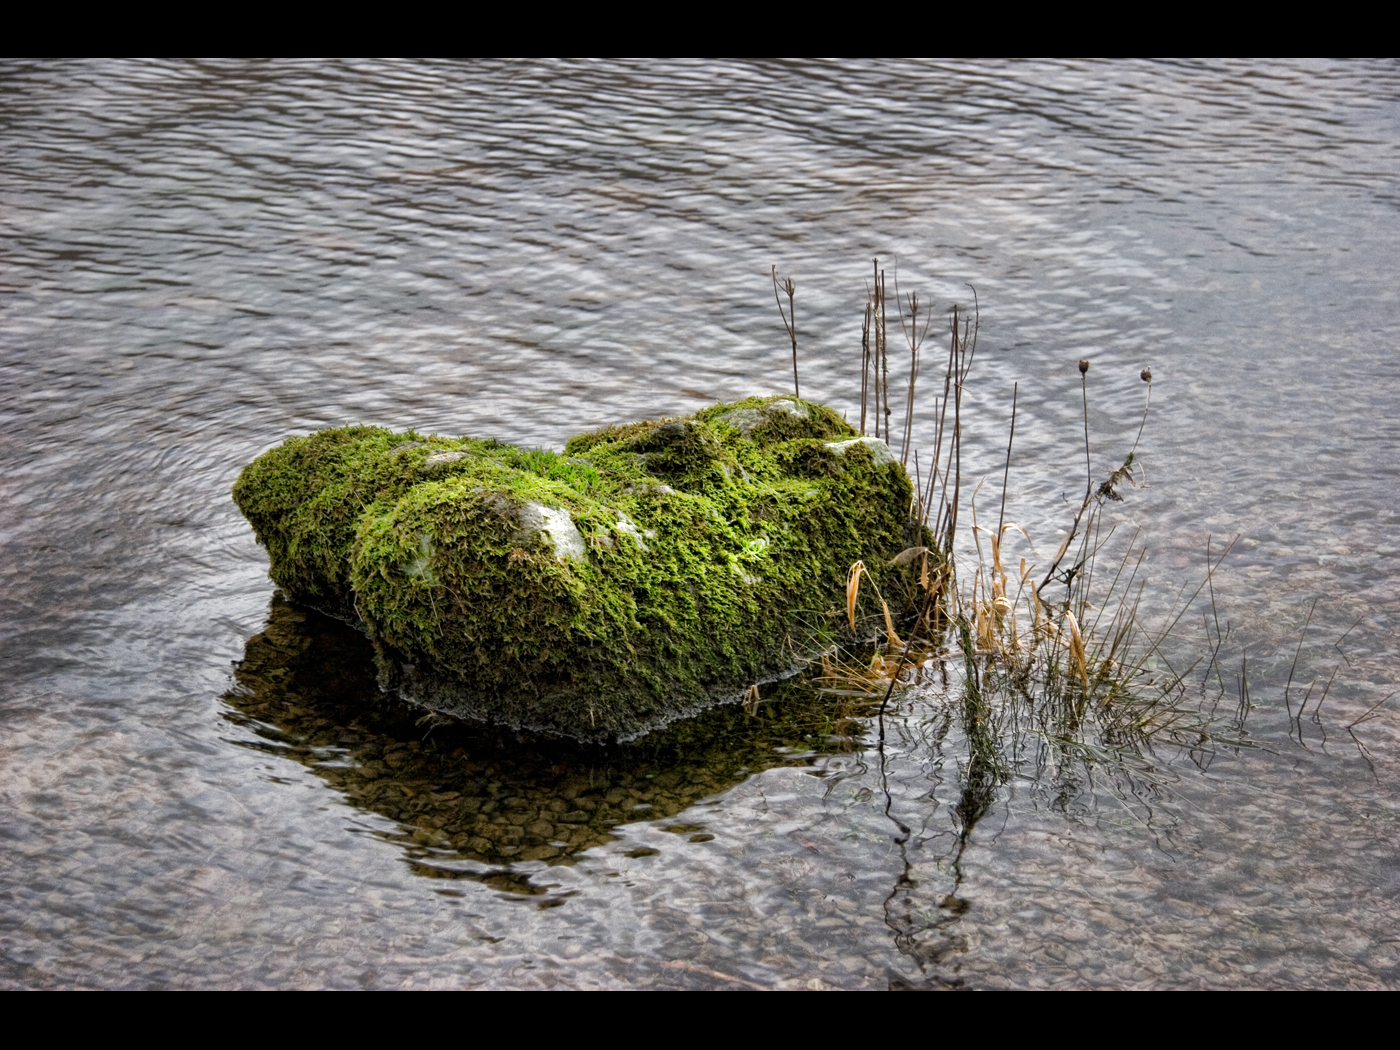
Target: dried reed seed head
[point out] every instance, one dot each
(1146, 375)
(1083, 366)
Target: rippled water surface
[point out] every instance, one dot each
(201, 785)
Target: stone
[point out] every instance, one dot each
(649, 571)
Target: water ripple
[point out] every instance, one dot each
(203, 257)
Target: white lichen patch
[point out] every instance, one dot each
(626, 527)
(879, 451)
(536, 518)
(788, 408)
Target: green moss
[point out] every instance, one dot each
(647, 572)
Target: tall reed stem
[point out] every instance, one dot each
(789, 322)
(864, 365)
(1084, 390)
(885, 355)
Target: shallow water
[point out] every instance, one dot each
(201, 258)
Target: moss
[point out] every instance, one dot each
(648, 571)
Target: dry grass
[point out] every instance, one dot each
(1054, 666)
(1051, 662)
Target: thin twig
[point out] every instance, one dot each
(789, 323)
(885, 355)
(864, 364)
(1084, 390)
(1370, 711)
(1287, 703)
(1006, 473)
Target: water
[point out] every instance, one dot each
(202, 258)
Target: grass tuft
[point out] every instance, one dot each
(1052, 669)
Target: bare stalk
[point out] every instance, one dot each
(875, 325)
(789, 322)
(955, 451)
(915, 339)
(1146, 375)
(1092, 497)
(1084, 390)
(1006, 473)
(865, 364)
(885, 355)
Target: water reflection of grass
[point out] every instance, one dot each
(306, 688)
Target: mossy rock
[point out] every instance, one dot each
(647, 572)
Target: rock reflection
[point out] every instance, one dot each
(306, 687)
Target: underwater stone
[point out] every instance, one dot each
(650, 571)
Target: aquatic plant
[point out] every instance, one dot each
(1053, 676)
(1068, 681)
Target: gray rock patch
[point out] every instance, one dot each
(536, 518)
(745, 420)
(626, 527)
(879, 451)
(786, 408)
(438, 460)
